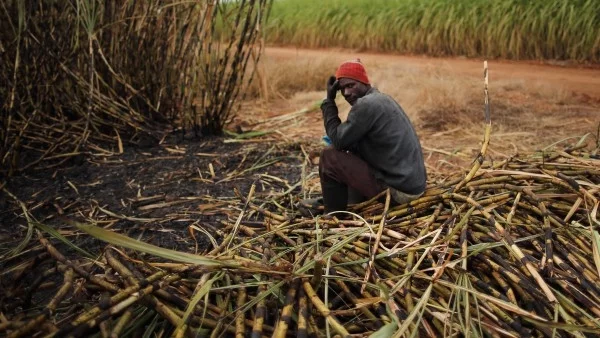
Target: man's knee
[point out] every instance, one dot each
(329, 158)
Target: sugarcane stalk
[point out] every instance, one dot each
(517, 283)
(240, 316)
(425, 201)
(219, 327)
(36, 283)
(28, 327)
(259, 314)
(287, 311)
(517, 277)
(365, 310)
(486, 136)
(547, 260)
(164, 310)
(118, 302)
(104, 328)
(513, 247)
(576, 259)
(302, 315)
(323, 310)
(388, 262)
(120, 268)
(123, 320)
(573, 274)
(504, 285)
(569, 309)
(317, 277)
(371, 263)
(511, 214)
(50, 308)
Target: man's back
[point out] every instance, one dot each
(388, 141)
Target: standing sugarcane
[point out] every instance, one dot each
(486, 135)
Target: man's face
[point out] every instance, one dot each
(352, 89)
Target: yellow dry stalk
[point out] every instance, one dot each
(371, 264)
(323, 309)
(486, 135)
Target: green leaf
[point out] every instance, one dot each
(202, 292)
(54, 233)
(130, 243)
(386, 331)
(246, 135)
(596, 249)
(416, 312)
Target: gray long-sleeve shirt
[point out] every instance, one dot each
(378, 130)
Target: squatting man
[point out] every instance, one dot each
(374, 149)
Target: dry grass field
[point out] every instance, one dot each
(534, 105)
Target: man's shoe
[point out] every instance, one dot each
(340, 216)
(311, 207)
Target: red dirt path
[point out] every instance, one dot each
(577, 79)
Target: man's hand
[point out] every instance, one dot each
(332, 87)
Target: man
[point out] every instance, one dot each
(374, 149)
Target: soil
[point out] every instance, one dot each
(579, 79)
(153, 192)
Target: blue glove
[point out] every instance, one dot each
(326, 140)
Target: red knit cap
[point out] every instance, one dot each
(353, 70)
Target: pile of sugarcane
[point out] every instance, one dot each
(511, 252)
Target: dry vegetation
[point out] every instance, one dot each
(182, 238)
(80, 74)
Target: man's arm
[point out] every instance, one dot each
(344, 135)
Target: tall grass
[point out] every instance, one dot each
(80, 72)
(513, 29)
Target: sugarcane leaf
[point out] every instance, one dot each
(150, 330)
(52, 232)
(417, 311)
(130, 243)
(596, 249)
(202, 292)
(582, 140)
(30, 225)
(246, 135)
(386, 331)
(595, 238)
(362, 302)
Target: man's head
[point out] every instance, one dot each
(353, 80)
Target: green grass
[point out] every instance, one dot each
(512, 29)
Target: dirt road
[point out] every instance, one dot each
(580, 80)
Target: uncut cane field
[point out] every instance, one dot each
(513, 29)
(153, 152)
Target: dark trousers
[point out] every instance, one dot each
(345, 178)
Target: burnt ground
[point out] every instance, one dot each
(154, 193)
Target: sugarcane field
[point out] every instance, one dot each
(299, 168)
